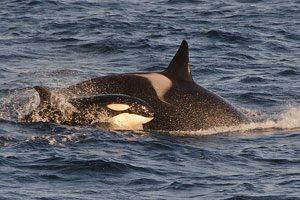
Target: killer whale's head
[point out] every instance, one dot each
(124, 112)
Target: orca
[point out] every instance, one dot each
(179, 102)
(111, 111)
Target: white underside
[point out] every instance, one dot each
(159, 82)
(126, 121)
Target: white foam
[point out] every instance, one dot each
(55, 140)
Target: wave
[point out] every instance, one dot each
(288, 73)
(275, 197)
(230, 37)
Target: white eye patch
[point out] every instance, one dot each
(118, 106)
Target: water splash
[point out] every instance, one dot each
(23, 106)
(17, 103)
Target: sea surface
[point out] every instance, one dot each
(247, 51)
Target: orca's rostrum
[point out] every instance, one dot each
(179, 103)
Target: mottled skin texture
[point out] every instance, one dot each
(185, 105)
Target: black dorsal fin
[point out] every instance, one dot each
(179, 66)
(45, 95)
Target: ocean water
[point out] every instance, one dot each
(247, 51)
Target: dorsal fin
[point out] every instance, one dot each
(179, 66)
(44, 94)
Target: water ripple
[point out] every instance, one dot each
(246, 51)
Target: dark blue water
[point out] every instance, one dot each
(246, 51)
